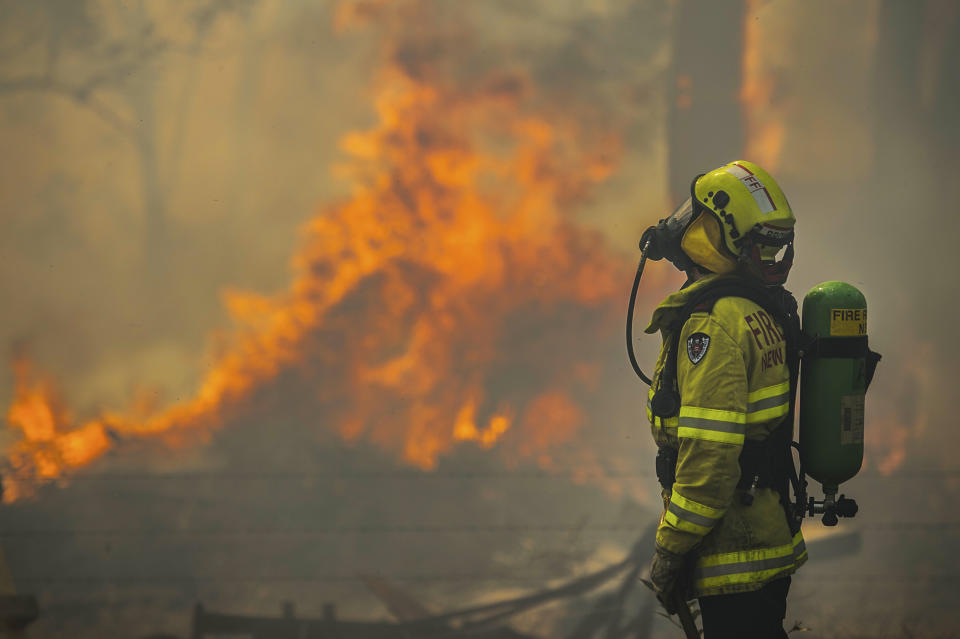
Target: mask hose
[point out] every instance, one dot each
(644, 245)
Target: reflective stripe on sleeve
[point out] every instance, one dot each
(686, 514)
(749, 566)
(678, 518)
(767, 392)
(768, 403)
(670, 422)
(712, 425)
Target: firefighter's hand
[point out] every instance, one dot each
(665, 573)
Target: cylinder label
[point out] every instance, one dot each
(845, 322)
(851, 419)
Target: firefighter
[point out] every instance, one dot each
(720, 406)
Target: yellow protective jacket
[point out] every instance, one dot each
(734, 385)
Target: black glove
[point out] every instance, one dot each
(667, 576)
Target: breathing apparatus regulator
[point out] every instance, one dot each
(735, 223)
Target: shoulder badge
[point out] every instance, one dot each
(697, 346)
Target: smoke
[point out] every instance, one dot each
(856, 148)
(478, 332)
(851, 192)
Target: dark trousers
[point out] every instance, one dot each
(746, 615)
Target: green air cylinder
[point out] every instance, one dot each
(833, 383)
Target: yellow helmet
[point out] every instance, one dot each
(740, 216)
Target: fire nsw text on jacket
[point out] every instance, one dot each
(734, 386)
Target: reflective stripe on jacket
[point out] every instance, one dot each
(734, 385)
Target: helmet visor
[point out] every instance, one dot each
(680, 219)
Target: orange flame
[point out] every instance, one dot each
(51, 442)
(411, 306)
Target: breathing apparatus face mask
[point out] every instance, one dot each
(663, 240)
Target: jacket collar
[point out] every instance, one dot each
(667, 310)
